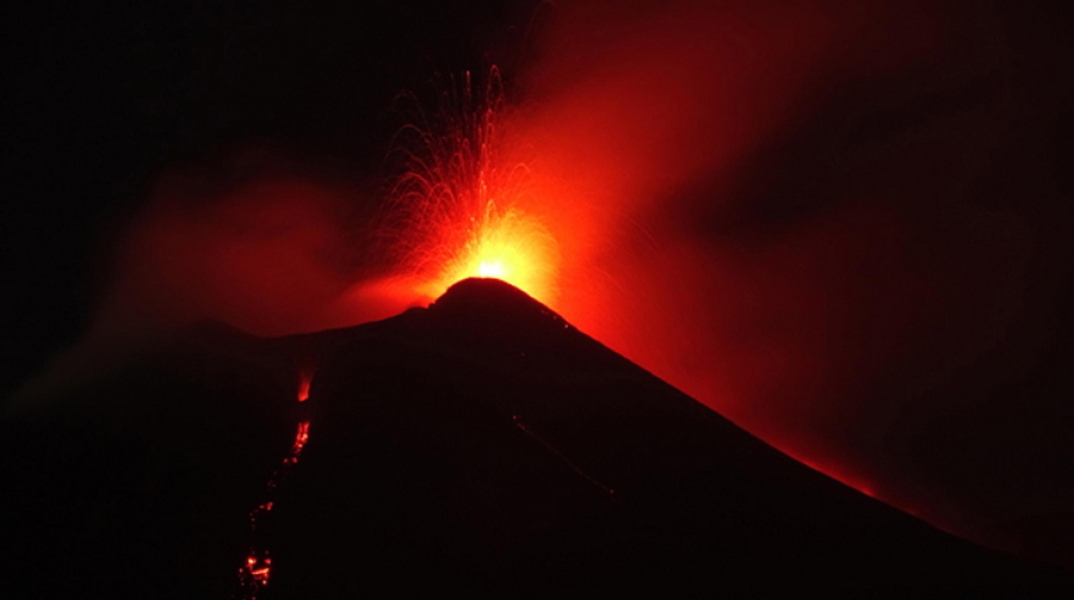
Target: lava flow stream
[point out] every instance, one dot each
(254, 572)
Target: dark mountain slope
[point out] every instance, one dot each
(481, 445)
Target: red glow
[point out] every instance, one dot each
(305, 376)
(254, 573)
(467, 206)
(301, 437)
(506, 245)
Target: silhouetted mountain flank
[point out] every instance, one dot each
(480, 445)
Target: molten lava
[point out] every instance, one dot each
(510, 246)
(466, 205)
(305, 377)
(254, 572)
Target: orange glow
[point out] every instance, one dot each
(254, 573)
(301, 437)
(506, 245)
(467, 205)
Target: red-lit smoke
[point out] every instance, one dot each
(267, 249)
(752, 203)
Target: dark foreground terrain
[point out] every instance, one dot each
(481, 445)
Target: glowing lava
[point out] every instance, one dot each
(305, 377)
(506, 245)
(494, 270)
(466, 205)
(254, 572)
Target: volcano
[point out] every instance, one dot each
(481, 445)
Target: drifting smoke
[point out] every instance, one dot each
(267, 251)
(258, 242)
